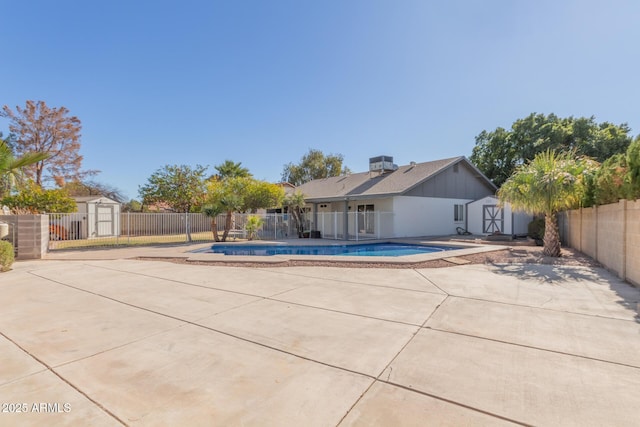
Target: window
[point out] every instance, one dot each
(458, 213)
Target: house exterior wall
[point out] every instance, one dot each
(450, 184)
(425, 216)
(514, 222)
(330, 218)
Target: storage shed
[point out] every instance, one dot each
(484, 216)
(97, 216)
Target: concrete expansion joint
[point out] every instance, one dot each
(70, 384)
(431, 282)
(453, 402)
(535, 307)
(535, 348)
(197, 325)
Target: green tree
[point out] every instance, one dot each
(11, 167)
(609, 184)
(498, 153)
(52, 131)
(180, 187)
(550, 183)
(295, 207)
(238, 194)
(261, 194)
(633, 169)
(314, 165)
(132, 206)
(33, 199)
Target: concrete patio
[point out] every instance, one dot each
(146, 343)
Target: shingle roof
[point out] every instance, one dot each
(365, 185)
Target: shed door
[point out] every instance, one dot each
(492, 219)
(104, 220)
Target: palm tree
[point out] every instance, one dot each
(11, 167)
(548, 184)
(230, 169)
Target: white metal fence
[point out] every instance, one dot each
(360, 225)
(104, 229)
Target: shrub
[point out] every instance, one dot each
(536, 230)
(33, 200)
(252, 226)
(6, 255)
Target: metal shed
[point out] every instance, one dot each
(97, 216)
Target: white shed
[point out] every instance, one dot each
(97, 216)
(484, 216)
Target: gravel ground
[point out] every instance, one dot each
(517, 254)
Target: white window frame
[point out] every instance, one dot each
(458, 213)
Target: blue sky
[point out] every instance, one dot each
(262, 82)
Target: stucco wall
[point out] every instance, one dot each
(425, 216)
(610, 234)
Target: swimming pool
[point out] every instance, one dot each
(368, 249)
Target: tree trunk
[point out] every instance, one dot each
(187, 226)
(227, 226)
(214, 229)
(297, 219)
(551, 236)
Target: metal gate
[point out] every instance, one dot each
(492, 219)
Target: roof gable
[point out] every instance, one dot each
(366, 185)
(90, 199)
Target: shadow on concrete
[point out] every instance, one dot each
(629, 296)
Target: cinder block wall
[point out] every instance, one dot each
(31, 234)
(610, 234)
(610, 237)
(588, 234)
(633, 242)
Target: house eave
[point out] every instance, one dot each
(350, 198)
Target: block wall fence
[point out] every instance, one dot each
(29, 234)
(610, 234)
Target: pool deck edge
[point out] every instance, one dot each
(184, 253)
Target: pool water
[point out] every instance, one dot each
(370, 249)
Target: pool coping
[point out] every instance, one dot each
(467, 249)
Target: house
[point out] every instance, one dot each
(419, 199)
(485, 216)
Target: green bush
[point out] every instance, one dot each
(6, 255)
(252, 226)
(536, 229)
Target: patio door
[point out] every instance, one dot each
(492, 219)
(366, 220)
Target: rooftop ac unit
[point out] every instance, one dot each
(382, 164)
